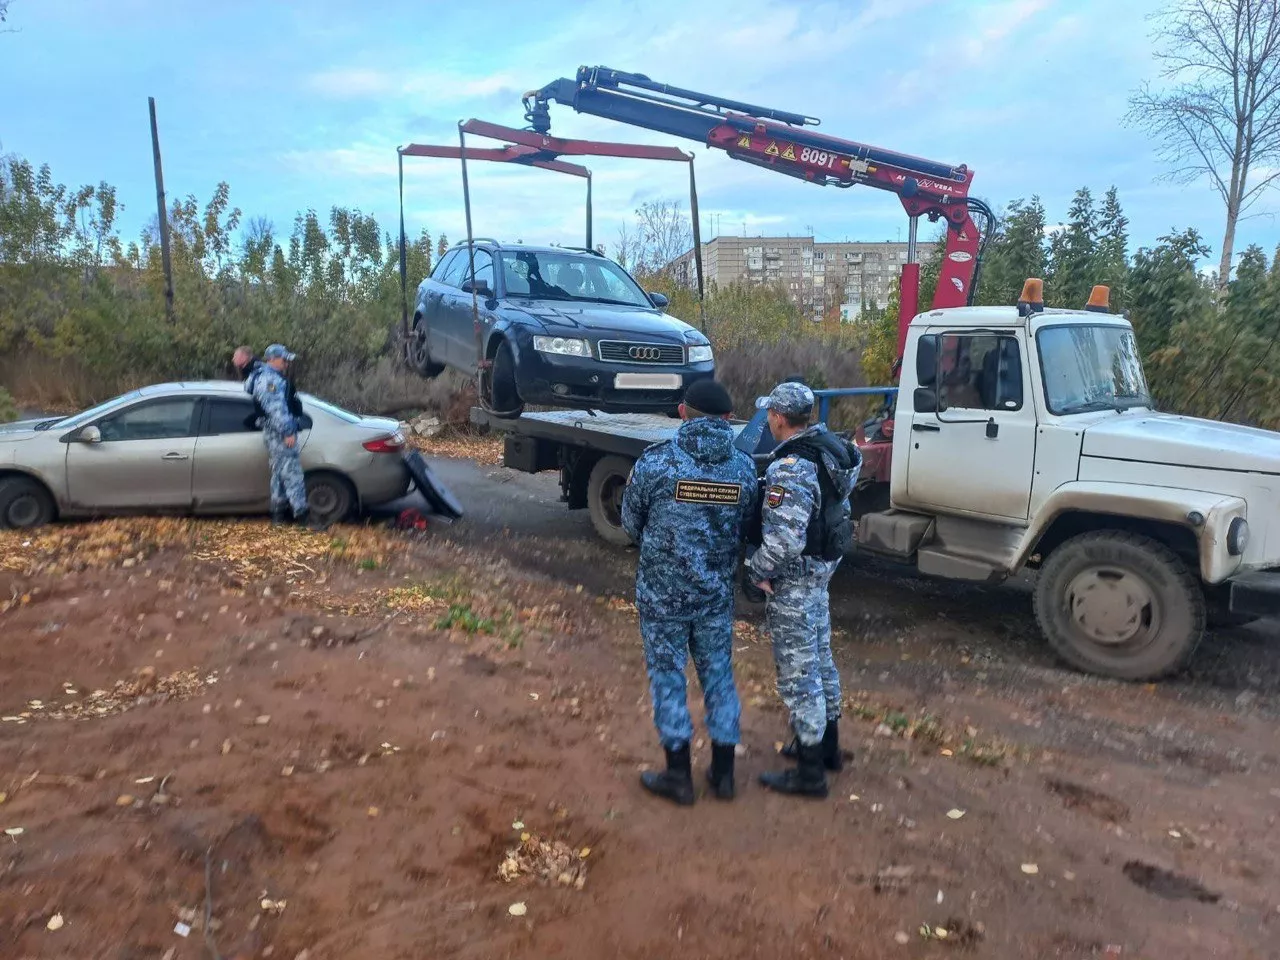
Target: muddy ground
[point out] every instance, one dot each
(221, 740)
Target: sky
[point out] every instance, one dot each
(302, 104)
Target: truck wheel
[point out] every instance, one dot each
(605, 486)
(24, 503)
(1120, 605)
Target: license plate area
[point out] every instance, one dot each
(647, 381)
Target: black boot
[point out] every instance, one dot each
(720, 775)
(806, 779)
(832, 757)
(279, 516)
(305, 518)
(676, 782)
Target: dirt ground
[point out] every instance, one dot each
(223, 740)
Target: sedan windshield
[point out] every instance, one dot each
(568, 276)
(1091, 368)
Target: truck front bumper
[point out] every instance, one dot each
(1256, 594)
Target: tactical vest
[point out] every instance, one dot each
(829, 535)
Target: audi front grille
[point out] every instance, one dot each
(618, 351)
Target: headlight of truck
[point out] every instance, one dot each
(1237, 536)
(700, 353)
(562, 346)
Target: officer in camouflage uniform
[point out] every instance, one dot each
(790, 568)
(270, 392)
(685, 504)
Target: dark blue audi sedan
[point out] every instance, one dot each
(559, 327)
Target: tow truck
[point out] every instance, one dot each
(1019, 438)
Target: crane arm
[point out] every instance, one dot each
(787, 143)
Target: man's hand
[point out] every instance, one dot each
(766, 586)
(290, 442)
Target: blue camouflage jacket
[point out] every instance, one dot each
(685, 504)
(268, 388)
(791, 497)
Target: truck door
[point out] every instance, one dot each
(975, 453)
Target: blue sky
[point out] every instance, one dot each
(301, 104)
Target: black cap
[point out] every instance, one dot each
(710, 397)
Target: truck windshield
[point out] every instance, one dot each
(568, 276)
(1093, 367)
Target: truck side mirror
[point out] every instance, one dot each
(924, 400)
(927, 361)
(659, 300)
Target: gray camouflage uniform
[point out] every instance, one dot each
(287, 485)
(798, 612)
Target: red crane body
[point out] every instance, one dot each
(784, 142)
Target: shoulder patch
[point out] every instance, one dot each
(787, 461)
(775, 496)
(709, 492)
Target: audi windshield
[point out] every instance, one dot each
(568, 276)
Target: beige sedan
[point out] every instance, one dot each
(190, 448)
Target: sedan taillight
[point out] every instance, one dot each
(393, 443)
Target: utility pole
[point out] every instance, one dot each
(163, 214)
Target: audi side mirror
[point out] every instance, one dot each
(89, 435)
(480, 288)
(660, 300)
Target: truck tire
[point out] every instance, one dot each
(604, 498)
(1121, 605)
(24, 503)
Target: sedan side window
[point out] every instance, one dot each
(230, 416)
(484, 268)
(443, 265)
(160, 420)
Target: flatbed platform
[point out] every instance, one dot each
(621, 434)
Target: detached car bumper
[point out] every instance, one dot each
(1256, 594)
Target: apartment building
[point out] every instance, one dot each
(815, 274)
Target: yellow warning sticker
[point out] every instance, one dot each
(771, 149)
(744, 142)
(789, 153)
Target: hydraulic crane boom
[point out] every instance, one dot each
(784, 142)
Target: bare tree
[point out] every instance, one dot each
(1219, 113)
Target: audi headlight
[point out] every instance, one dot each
(700, 353)
(1237, 536)
(563, 346)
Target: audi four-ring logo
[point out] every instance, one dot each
(645, 353)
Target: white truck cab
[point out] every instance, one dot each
(1026, 438)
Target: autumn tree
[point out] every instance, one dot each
(1217, 114)
(1016, 252)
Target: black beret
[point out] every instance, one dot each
(709, 396)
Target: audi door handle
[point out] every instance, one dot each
(174, 456)
(926, 428)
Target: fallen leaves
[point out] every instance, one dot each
(146, 688)
(517, 909)
(955, 814)
(254, 550)
(484, 449)
(551, 861)
(1030, 869)
(55, 922)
